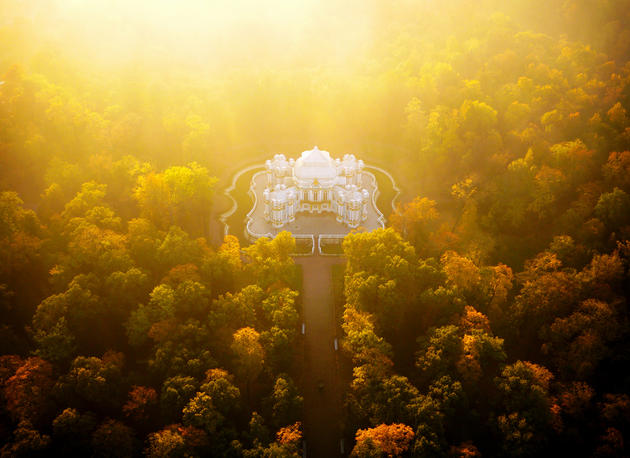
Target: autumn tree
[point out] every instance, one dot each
(112, 439)
(270, 261)
(27, 441)
(22, 265)
(380, 271)
(286, 403)
(72, 431)
(141, 404)
(218, 383)
(383, 440)
(176, 392)
(177, 440)
(526, 407)
(249, 355)
(179, 195)
(94, 382)
(416, 221)
(27, 391)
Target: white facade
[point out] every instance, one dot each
(315, 183)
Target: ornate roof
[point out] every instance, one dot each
(315, 165)
(278, 163)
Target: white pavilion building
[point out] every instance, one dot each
(315, 183)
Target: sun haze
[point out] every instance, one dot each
(314, 228)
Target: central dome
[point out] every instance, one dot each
(315, 165)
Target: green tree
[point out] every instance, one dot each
(112, 439)
(525, 407)
(94, 382)
(270, 261)
(218, 384)
(176, 392)
(613, 208)
(286, 403)
(202, 413)
(380, 273)
(72, 431)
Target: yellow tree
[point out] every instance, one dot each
(179, 195)
(230, 250)
(270, 261)
(460, 271)
(249, 354)
(415, 221)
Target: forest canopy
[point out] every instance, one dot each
(489, 318)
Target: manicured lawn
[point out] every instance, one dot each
(236, 221)
(386, 192)
(303, 246)
(331, 248)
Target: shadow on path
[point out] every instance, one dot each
(322, 389)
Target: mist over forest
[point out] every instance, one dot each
(488, 318)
